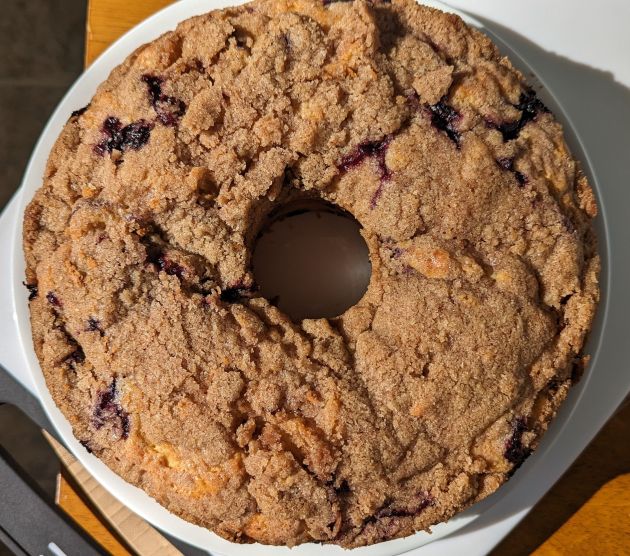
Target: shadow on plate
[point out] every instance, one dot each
(599, 108)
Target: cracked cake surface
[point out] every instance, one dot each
(418, 401)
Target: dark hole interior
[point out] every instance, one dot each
(311, 261)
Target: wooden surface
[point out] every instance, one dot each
(68, 498)
(91, 503)
(109, 19)
(605, 458)
(599, 527)
(586, 513)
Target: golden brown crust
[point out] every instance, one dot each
(418, 401)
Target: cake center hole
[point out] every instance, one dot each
(311, 261)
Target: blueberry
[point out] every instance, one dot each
(171, 268)
(515, 452)
(367, 149)
(94, 325)
(370, 149)
(53, 299)
(396, 253)
(168, 109)
(158, 258)
(132, 136)
(135, 135)
(111, 126)
(508, 164)
(423, 501)
(444, 117)
(530, 106)
(108, 409)
(154, 85)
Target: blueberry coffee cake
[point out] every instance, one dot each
(416, 402)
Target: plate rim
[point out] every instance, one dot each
(109, 59)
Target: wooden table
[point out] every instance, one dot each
(587, 512)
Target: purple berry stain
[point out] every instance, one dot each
(508, 164)
(530, 106)
(94, 325)
(423, 501)
(53, 299)
(108, 409)
(444, 117)
(370, 149)
(171, 268)
(168, 109)
(515, 452)
(165, 264)
(396, 253)
(132, 136)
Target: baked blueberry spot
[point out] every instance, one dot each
(329, 2)
(135, 135)
(53, 299)
(171, 268)
(423, 501)
(444, 117)
(530, 106)
(116, 137)
(79, 112)
(32, 290)
(111, 126)
(164, 263)
(125, 424)
(154, 87)
(167, 108)
(106, 407)
(94, 325)
(515, 452)
(520, 178)
(370, 149)
(508, 164)
(109, 410)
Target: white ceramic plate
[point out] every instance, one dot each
(20, 354)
